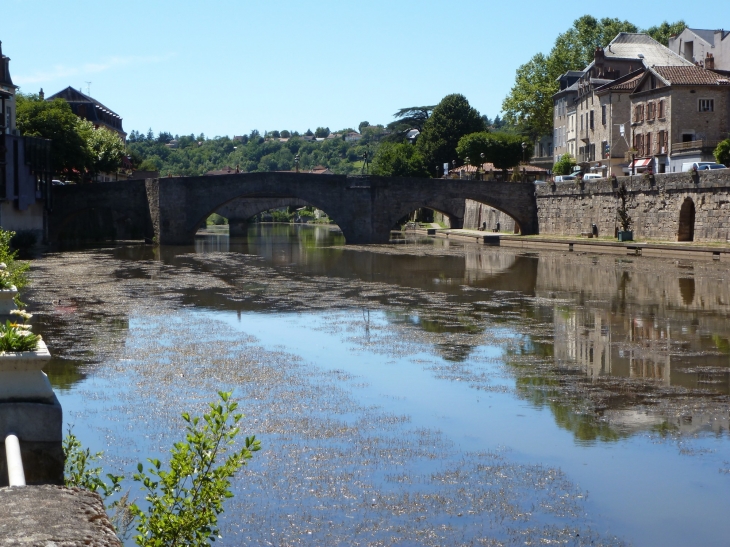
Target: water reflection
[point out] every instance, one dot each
(609, 334)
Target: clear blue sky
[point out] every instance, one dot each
(227, 67)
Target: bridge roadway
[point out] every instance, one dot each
(365, 208)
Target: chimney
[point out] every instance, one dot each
(599, 56)
(710, 62)
(41, 95)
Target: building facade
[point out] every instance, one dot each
(709, 49)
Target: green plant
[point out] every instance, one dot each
(722, 152)
(564, 166)
(78, 471)
(15, 337)
(14, 272)
(185, 500)
(622, 212)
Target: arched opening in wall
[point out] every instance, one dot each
(686, 231)
(246, 215)
(423, 217)
(484, 217)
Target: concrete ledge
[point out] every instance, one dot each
(54, 516)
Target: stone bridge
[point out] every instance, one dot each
(365, 208)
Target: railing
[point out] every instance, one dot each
(694, 145)
(16, 474)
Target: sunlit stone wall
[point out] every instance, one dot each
(571, 208)
(477, 213)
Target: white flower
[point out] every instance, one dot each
(22, 313)
(3, 265)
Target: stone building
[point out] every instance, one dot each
(25, 166)
(707, 48)
(90, 109)
(679, 114)
(600, 144)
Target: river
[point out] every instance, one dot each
(425, 392)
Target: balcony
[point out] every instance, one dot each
(695, 146)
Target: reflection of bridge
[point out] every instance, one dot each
(365, 208)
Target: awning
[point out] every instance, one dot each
(640, 163)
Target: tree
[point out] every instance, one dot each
(564, 166)
(412, 117)
(309, 133)
(285, 134)
(275, 134)
(185, 500)
(361, 126)
(529, 104)
(322, 132)
(399, 160)
(722, 152)
(451, 119)
(501, 149)
(107, 149)
(663, 32)
(54, 120)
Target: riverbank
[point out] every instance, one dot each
(707, 250)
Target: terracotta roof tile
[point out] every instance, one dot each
(690, 75)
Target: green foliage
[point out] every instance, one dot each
(412, 117)
(529, 104)
(322, 132)
(54, 120)
(107, 149)
(663, 32)
(16, 270)
(564, 166)
(502, 149)
(623, 214)
(722, 153)
(216, 220)
(79, 473)
(399, 160)
(451, 119)
(185, 501)
(16, 337)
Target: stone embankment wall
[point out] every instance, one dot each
(477, 213)
(654, 205)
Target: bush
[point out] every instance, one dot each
(216, 220)
(564, 166)
(722, 153)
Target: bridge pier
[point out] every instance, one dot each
(237, 227)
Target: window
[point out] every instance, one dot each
(603, 114)
(661, 109)
(661, 144)
(651, 110)
(639, 113)
(707, 105)
(647, 145)
(591, 115)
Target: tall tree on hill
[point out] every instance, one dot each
(451, 119)
(412, 117)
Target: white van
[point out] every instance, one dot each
(592, 176)
(699, 165)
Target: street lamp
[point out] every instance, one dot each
(524, 152)
(296, 162)
(633, 153)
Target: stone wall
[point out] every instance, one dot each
(477, 213)
(654, 205)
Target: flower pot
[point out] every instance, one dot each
(6, 300)
(626, 235)
(21, 377)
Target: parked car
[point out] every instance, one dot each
(565, 178)
(701, 166)
(592, 176)
(56, 182)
